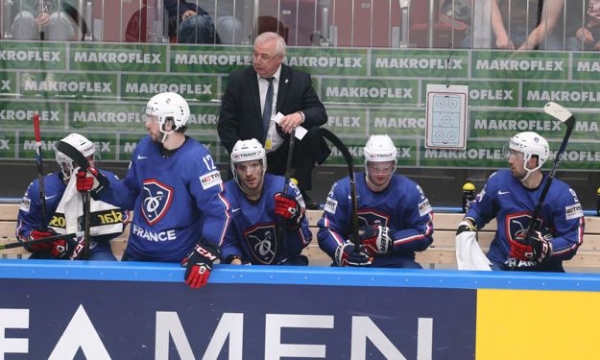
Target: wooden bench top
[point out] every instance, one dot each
(440, 254)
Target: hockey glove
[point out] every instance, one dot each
(465, 225)
(346, 256)
(376, 240)
(93, 181)
(536, 248)
(289, 209)
(58, 249)
(199, 264)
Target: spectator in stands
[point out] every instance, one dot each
(175, 190)
(44, 20)
(587, 37)
(226, 13)
(280, 89)
(392, 213)
(525, 25)
(192, 24)
(511, 196)
(58, 208)
(267, 226)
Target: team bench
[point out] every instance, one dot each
(441, 253)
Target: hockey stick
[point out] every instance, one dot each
(563, 115)
(38, 241)
(350, 162)
(84, 163)
(286, 184)
(40, 166)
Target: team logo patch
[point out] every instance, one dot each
(517, 224)
(424, 207)
(156, 200)
(211, 179)
(370, 217)
(25, 204)
(262, 243)
(330, 205)
(573, 211)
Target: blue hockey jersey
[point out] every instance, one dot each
(402, 206)
(30, 211)
(505, 199)
(252, 234)
(177, 201)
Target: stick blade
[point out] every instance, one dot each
(73, 153)
(557, 111)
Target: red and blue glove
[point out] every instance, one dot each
(345, 255)
(199, 264)
(58, 249)
(289, 209)
(376, 240)
(535, 248)
(92, 181)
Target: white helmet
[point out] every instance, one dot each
(79, 142)
(530, 143)
(247, 150)
(380, 148)
(169, 106)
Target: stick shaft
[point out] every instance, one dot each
(40, 166)
(37, 241)
(538, 209)
(350, 162)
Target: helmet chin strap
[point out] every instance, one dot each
(165, 133)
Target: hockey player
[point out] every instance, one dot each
(64, 207)
(258, 209)
(394, 214)
(175, 190)
(510, 196)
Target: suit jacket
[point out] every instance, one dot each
(241, 116)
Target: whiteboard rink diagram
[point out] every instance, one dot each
(446, 120)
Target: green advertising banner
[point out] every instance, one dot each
(568, 94)
(130, 116)
(586, 66)
(397, 122)
(369, 91)
(8, 144)
(329, 61)
(28, 55)
(505, 123)
(117, 57)
(208, 59)
(93, 87)
(144, 86)
(69, 85)
(8, 84)
(17, 114)
(420, 63)
(348, 121)
(520, 65)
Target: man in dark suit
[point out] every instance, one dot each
(270, 84)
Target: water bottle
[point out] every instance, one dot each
(468, 191)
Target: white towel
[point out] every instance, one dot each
(71, 205)
(469, 255)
